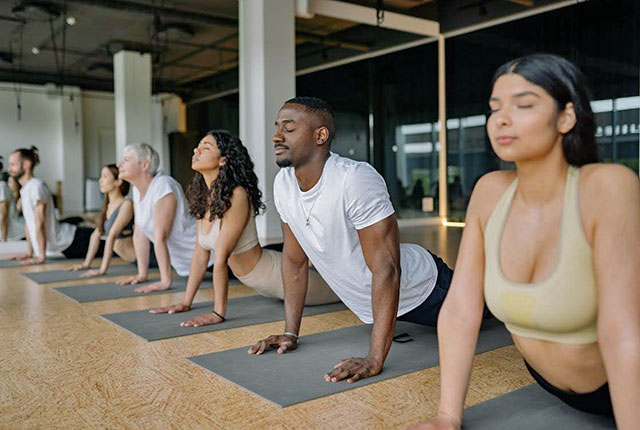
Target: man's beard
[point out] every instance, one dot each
(284, 163)
(17, 175)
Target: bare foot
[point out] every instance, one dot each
(205, 319)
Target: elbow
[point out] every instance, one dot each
(160, 237)
(390, 272)
(624, 344)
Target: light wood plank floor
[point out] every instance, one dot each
(62, 366)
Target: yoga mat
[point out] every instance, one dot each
(243, 311)
(298, 376)
(56, 259)
(109, 290)
(48, 276)
(531, 408)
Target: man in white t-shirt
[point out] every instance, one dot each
(45, 235)
(162, 219)
(337, 213)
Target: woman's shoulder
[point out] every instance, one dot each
(604, 186)
(488, 190)
(600, 176)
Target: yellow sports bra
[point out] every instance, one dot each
(248, 239)
(562, 308)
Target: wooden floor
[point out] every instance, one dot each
(62, 366)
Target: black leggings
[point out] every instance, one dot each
(595, 402)
(80, 244)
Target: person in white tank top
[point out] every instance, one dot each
(224, 197)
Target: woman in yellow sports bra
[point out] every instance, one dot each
(552, 247)
(224, 198)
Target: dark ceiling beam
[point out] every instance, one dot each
(331, 41)
(12, 18)
(84, 82)
(41, 78)
(212, 45)
(169, 12)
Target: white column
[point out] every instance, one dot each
(267, 79)
(72, 151)
(132, 90)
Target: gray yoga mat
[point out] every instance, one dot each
(243, 311)
(56, 259)
(298, 376)
(109, 290)
(531, 408)
(48, 276)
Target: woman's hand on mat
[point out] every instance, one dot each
(34, 260)
(91, 273)
(132, 280)
(155, 286)
(20, 257)
(200, 320)
(173, 309)
(283, 342)
(439, 422)
(79, 266)
(353, 368)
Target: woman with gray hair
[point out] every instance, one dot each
(164, 234)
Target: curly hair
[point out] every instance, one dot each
(236, 171)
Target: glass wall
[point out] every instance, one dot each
(387, 107)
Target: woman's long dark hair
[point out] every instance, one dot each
(236, 171)
(124, 189)
(565, 83)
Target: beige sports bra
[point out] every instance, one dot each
(563, 307)
(248, 239)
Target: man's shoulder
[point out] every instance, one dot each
(350, 167)
(36, 184)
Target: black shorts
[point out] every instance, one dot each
(427, 313)
(595, 402)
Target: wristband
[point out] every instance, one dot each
(288, 333)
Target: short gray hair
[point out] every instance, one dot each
(145, 152)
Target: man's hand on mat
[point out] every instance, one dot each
(20, 257)
(132, 280)
(173, 309)
(155, 286)
(200, 320)
(439, 422)
(283, 342)
(91, 273)
(353, 368)
(77, 267)
(34, 260)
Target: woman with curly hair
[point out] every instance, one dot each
(224, 198)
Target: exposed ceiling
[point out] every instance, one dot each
(192, 41)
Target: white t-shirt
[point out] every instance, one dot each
(59, 235)
(15, 230)
(349, 196)
(182, 239)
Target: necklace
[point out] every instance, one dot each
(308, 215)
